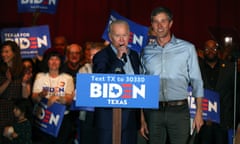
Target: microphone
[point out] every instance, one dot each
(118, 70)
(124, 57)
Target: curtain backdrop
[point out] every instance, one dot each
(84, 20)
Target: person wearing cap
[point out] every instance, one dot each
(56, 87)
(175, 61)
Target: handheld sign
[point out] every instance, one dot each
(32, 40)
(210, 106)
(138, 35)
(49, 119)
(46, 6)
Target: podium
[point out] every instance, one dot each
(117, 91)
(117, 126)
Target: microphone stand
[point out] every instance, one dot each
(235, 58)
(235, 55)
(229, 37)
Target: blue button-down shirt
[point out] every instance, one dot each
(177, 65)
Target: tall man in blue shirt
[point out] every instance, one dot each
(176, 62)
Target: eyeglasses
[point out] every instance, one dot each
(210, 49)
(76, 53)
(27, 67)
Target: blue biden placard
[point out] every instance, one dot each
(49, 118)
(117, 90)
(138, 35)
(46, 6)
(210, 106)
(32, 40)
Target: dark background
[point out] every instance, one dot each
(84, 20)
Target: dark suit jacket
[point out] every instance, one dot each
(225, 88)
(106, 61)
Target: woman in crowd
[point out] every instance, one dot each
(56, 87)
(13, 82)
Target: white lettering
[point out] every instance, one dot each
(40, 113)
(212, 106)
(42, 41)
(114, 90)
(115, 101)
(105, 90)
(38, 1)
(31, 1)
(138, 40)
(53, 2)
(95, 90)
(138, 91)
(191, 101)
(54, 119)
(25, 43)
(24, 1)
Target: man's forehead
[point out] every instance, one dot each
(211, 44)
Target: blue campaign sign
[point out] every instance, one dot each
(46, 6)
(49, 119)
(138, 36)
(210, 106)
(74, 107)
(32, 40)
(117, 90)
